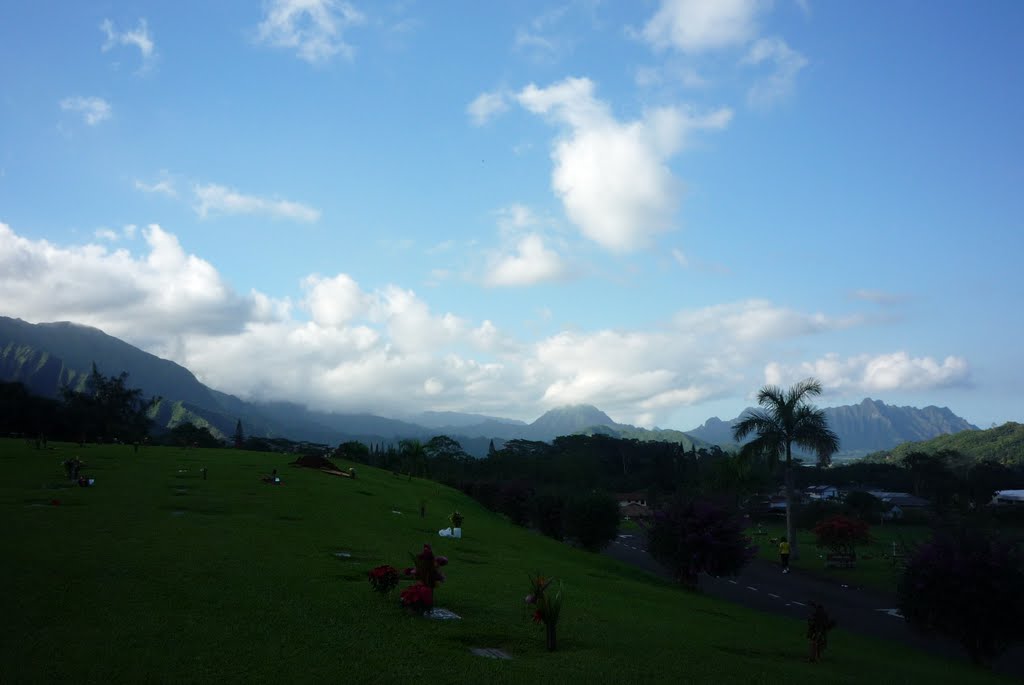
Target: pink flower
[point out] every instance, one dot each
(530, 599)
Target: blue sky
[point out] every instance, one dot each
(654, 207)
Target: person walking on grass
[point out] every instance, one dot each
(784, 554)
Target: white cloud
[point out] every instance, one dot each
(531, 263)
(753, 321)
(313, 28)
(93, 109)
(107, 234)
(138, 37)
(695, 26)
(344, 346)
(879, 373)
(612, 177)
(680, 257)
(786, 63)
(486, 106)
(214, 199)
(165, 292)
(335, 301)
(165, 186)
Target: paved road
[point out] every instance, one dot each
(764, 587)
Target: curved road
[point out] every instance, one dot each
(763, 586)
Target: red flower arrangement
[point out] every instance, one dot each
(548, 601)
(426, 572)
(384, 578)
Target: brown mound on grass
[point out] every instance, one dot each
(320, 463)
(315, 462)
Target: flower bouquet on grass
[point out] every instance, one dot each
(455, 520)
(384, 578)
(548, 606)
(426, 572)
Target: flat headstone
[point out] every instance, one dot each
(439, 614)
(395, 511)
(490, 652)
(343, 555)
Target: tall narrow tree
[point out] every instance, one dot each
(239, 435)
(786, 419)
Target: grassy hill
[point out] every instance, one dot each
(1004, 444)
(156, 575)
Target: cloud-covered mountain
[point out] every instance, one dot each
(46, 357)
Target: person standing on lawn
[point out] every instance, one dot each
(784, 554)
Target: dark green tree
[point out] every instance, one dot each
(107, 409)
(786, 419)
(593, 519)
(865, 506)
(239, 438)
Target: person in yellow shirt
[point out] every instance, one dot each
(784, 554)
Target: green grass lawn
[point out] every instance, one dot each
(874, 567)
(155, 575)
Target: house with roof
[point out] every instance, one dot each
(822, 492)
(1008, 498)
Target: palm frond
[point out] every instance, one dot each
(754, 421)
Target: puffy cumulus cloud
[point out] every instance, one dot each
(531, 263)
(164, 292)
(214, 199)
(613, 177)
(313, 28)
(342, 346)
(486, 106)
(92, 109)
(867, 373)
(334, 301)
(785, 63)
(695, 26)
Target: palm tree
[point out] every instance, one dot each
(414, 455)
(787, 419)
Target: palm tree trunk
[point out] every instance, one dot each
(794, 551)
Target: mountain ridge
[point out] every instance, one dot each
(48, 356)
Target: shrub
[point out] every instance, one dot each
(546, 512)
(819, 623)
(593, 519)
(699, 537)
(841, 534)
(814, 512)
(968, 586)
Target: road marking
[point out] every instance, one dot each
(799, 604)
(773, 596)
(734, 582)
(751, 587)
(895, 613)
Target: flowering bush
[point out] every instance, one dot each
(699, 537)
(968, 586)
(841, 534)
(426, 571)
(547, 604)
(384, 578)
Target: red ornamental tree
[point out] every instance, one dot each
(841, 534)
